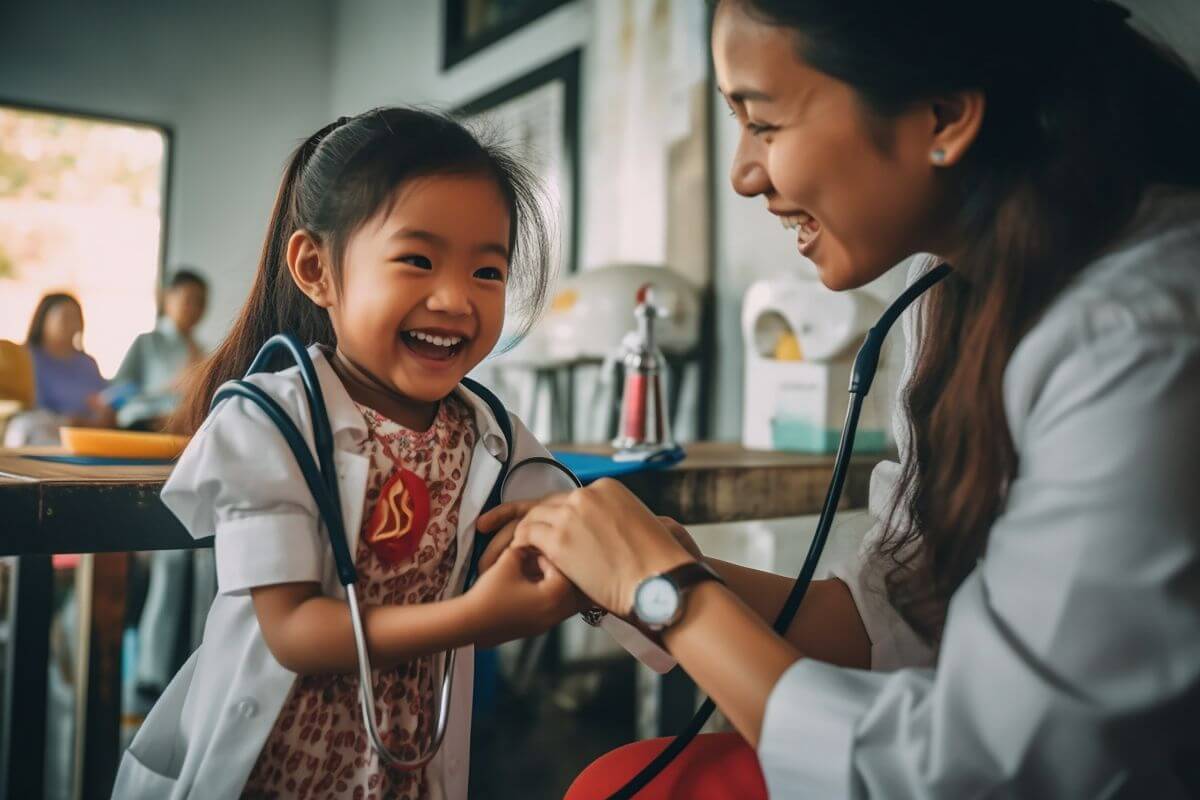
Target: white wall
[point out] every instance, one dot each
(238, 84)
(388, 52)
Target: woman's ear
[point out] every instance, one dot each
(310, 269)
(957, 118)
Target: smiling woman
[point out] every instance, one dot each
(1030, 595)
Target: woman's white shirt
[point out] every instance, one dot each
(238, 481)
(1070, 660)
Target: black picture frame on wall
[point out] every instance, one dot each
(471, 25)
(564, 71)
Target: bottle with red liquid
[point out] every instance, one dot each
(645, 427)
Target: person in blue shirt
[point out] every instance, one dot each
(68, 382)
(146, 388)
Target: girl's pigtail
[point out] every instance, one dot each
(275, 304)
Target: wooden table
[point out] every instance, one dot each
(48, 508)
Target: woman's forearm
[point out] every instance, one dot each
(731, 653)
(314, 634)
(827, 627)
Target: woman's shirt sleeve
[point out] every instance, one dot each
(1071, 654)
(238, 480)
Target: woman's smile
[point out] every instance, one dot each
(806, 226)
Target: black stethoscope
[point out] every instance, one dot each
(861, 377)
(321, 479)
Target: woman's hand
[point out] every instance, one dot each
(521, 595)
(503, 538)
(682, 536)
(602, 538)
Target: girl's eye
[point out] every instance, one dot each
(489, 274)
(421, 262)
(758, 130)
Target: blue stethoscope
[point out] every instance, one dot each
(320, 477)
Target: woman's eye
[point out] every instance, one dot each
(490, 274)
(421, 262)
(757, 129)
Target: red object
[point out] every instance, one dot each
(399, 518)
(635, 407)
(643, 293)
(716, 766)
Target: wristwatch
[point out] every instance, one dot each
(658, 601)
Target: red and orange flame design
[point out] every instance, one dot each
(399, 518)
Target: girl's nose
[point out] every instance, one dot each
(450, 296)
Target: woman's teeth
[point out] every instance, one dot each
(805, 225)
(440, 341)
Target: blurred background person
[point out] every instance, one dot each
(68, 385)
(146, 387)
(68, 381)
(145, 390)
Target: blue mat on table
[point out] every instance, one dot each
(589, 467)
(100, 461)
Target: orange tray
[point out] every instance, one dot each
(103, 443)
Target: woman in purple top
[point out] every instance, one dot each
(68, 380)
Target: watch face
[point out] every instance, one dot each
(656, 601)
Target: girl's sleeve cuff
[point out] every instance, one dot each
(267, 549)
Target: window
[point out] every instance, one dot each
(81, 210)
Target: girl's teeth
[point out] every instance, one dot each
(440, 341)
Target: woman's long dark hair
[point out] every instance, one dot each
(37, 325)
(335, 181)
(1082, 115)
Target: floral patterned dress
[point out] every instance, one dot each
(318, 747)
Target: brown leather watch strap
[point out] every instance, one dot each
(688, 575)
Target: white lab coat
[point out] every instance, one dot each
(238, 480)
(1070, 660)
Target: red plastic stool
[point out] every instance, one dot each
(716, 766)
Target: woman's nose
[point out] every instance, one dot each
(748, 175)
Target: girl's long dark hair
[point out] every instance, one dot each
(335, 181)
(37, 325)
(1083, 113)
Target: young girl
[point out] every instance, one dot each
(395, 238)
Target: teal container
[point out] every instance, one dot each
(801, 436)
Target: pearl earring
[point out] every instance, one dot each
(938, 156)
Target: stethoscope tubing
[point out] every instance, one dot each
(861, 377)
(320, 477)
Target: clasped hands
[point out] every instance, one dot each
(588, 547)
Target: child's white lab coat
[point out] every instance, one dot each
(238, 480)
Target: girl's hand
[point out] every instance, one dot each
(500, 542)
(521, 595)
(601, 537)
